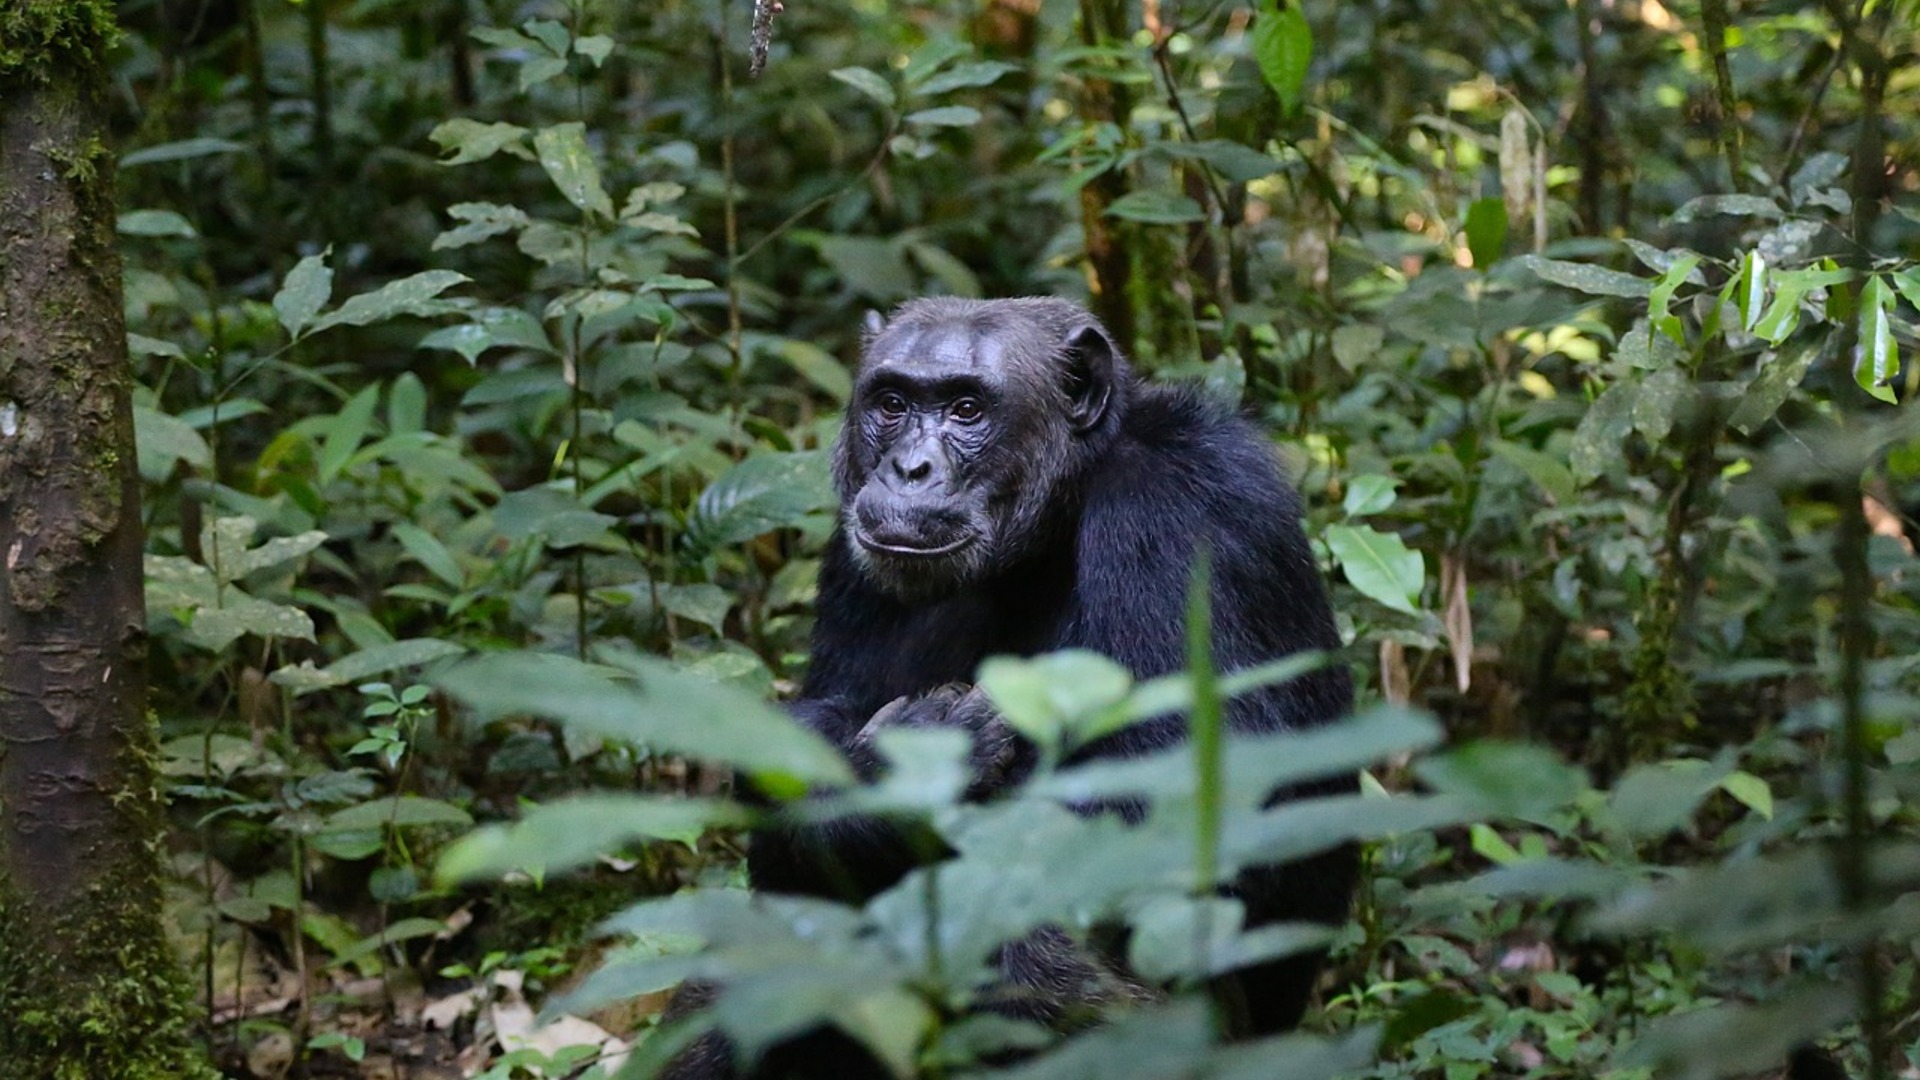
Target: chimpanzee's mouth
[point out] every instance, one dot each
(908, 550)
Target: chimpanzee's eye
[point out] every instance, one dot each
(968, 410)
(892, 405)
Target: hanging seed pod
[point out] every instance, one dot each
(764, 12)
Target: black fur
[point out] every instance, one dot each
(1088, 491)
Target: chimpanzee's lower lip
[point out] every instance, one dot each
(910, 551)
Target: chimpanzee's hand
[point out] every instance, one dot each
(954, 705)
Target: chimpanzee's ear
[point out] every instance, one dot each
(873, 324)
(1092, 369)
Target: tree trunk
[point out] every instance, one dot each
(88, 984)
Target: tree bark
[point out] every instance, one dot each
(89, 986)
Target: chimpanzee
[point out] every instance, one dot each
(1008, 486)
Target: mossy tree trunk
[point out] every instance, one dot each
(88, 984)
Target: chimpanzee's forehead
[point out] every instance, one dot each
(946, 347)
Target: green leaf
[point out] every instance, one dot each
(1368, 494)
(1660, 300)
(1487, 231)
(429, 552)
(154, 223)
(945, 116)
(1602, 431)
(1876, 359)
(1283, 46)
(399, 811)
(1504, 779)
(817, 366)
(1356, 343)
(867, 82)
(1156, 208)
(404, 930)
(1233, 161)
(595, 47)
(572, 833)
(765, 492)
(1548, 471)
(570, 164)
(1043, 696)
(1733, 205)
(492, 328)
(1655, 799)
(1586, 278)
(978, 73)
(374, 660)
(342, 433)
(303, 294)
(704, 603)
(480, 221)
(1753, 290)
(413, 295)
(161, 440)
(667, 710)
(471, 140)
(1751, 791)
(179, 151)
(1379, 565)
(1771, 387)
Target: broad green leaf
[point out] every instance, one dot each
(1586, 278)
(1283, 46)
(403, 930)
(1368, 494)
(1486, 231)
(945, 116)
(665, 709)
(374, 660)
(1234, 161)
(1750, 790)
(572, 833)
(1602, 431)
(570, 164)
(413, 295)
(141, 345)
(1657, 401)
(1504, 779)
(817, 366)
(399, 811)
(1548, 471)
(538, 69)
(1660, 300)
(1043, 696)
(154, 223)
(1356, 343)
(867, 82)
(160, 441)
(1733, 205)
(1738, 1038)
(342, 433)
(304, 293)
(1771, 387)
(595, 47)
(1156, 208)
(1651, 800)
(479, 221)
(217, 627)
(1876, 359)
(704, 603)
(765, 492)
(471, 140)
(491, 328)
(179, 151)
(978, 73)
(1379, 565)
(428, 550)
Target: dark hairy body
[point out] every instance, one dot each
(1009, 487)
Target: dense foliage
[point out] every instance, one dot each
(489, 351)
